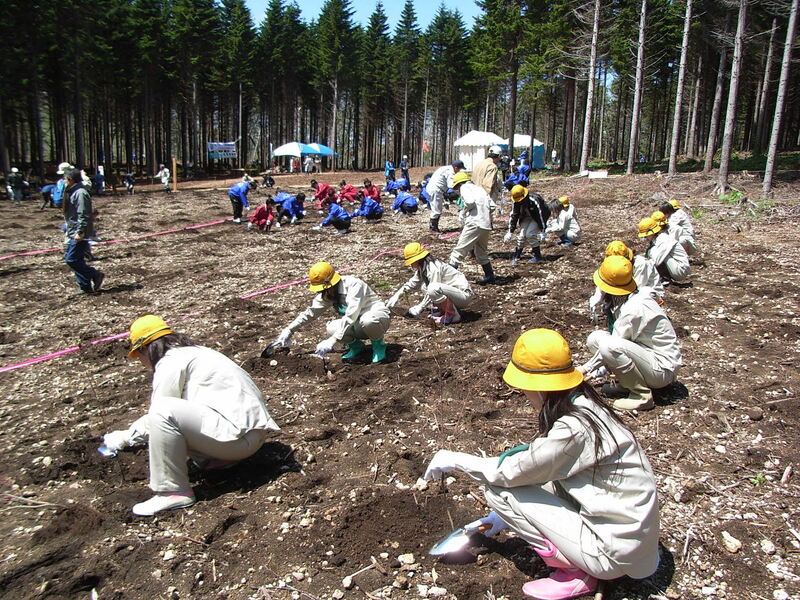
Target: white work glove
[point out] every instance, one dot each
(285, 337)
(117, 440)
(415, 310)
(325, 346)
(600, 371)
(542, 236)
(392, 302)
(316, 228)
(493, 520)
(442, 462)
(507, 237)
(293, 221)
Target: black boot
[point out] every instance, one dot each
(434, 225)
(537, 255)
(488, 272)
(517, 256)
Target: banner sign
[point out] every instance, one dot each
(222, 150)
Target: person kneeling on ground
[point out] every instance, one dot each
(680, 225)
(203, 406)
(370, 210)
(665, 251)
(347, 193)
(363, 314)
(531, 213)
(640, 348)
(476, 214)
(238, 197)
(338, 217)
(291, 208)
(582, 493)
(405, 203)
(564, 222)
(446, 288)
(264, 216)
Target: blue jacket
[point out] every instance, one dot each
(239, 190)
(58, 192)
(423, 193)
(368, 207)
(335, 212)
(404, 199)
(520, 177)
(397, 184)
(289, 203)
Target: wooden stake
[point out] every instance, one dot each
(174, 174)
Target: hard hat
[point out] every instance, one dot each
(674, 204)
(541, 361)
(322, 276)
(564, 200)
(14, 170)
(649, 226)
(494, 150)
(618, 248)
(146, 329)
(459, 178)
(615, 276)
(62, 167)
(414, 252)
(519, 193)
(659, 217)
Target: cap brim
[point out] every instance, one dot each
(324, 286)
(416, 257)
(550, 382)
(614, 290)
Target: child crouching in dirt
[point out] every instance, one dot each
(582, 493)
(203, 406)
(290, 208)
(442, 286)
(363, 314)
(369, 209)
(263, 217)
(564, 222)
(665, 251)
(337, 217)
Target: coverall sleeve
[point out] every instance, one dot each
(413, 283)
(318, 306)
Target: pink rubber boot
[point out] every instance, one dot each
(567, 581)
(446, 313)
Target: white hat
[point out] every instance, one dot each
(62, 166)
(14, 170)
(405, 155)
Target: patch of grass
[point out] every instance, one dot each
(698, 213)
(732, 197)
(758, 480)
(764, 205)
(381, 284)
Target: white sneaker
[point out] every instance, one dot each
(277, 224)
(237, 220)
(161, 502)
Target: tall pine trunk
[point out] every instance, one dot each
(763, 94)
(711, 144)
(587, 122)
(676, 117)
(633, 146)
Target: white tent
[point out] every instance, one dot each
(471, 148)
(522, 141)
(293, 149)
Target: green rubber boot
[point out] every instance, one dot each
(353, 350)
(378, 350)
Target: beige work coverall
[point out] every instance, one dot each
(477, 213)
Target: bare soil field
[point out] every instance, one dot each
(336, 489)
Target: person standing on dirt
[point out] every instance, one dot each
(582, 493)
(531, 214)
(130, 183)
(78, 229)
(388, 171)
(564, 222)
(238, 197)
(15, 185)
(203, 406)
(640, 347)
(404, 168)
(443, 288)
(644, 274)
(665, 251)
(61, 184)
(363, 314)
(680, 225)
(163, 175)
(476, 214)
(487, 175)
(440, 181)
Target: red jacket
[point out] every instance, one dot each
(321, 194)
(349, 193)
(372, 192)
(262, 215)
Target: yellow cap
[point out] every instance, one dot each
(460, 177)
(618, 248)
(414, 252)
(322, 276)
(541, 361)
(519, 193)
(615, 276)
(146, 329)
(564, 200)
(649, 226)
(659, 217)
(674, 204)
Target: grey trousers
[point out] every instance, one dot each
(439, 292)
(370, 325)
(472, 239)
(529, 231)
(619, 353)
(536, 513)
(174, 426)
(437, 199)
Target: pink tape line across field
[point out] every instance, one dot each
(119, 336)
(104, 242)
